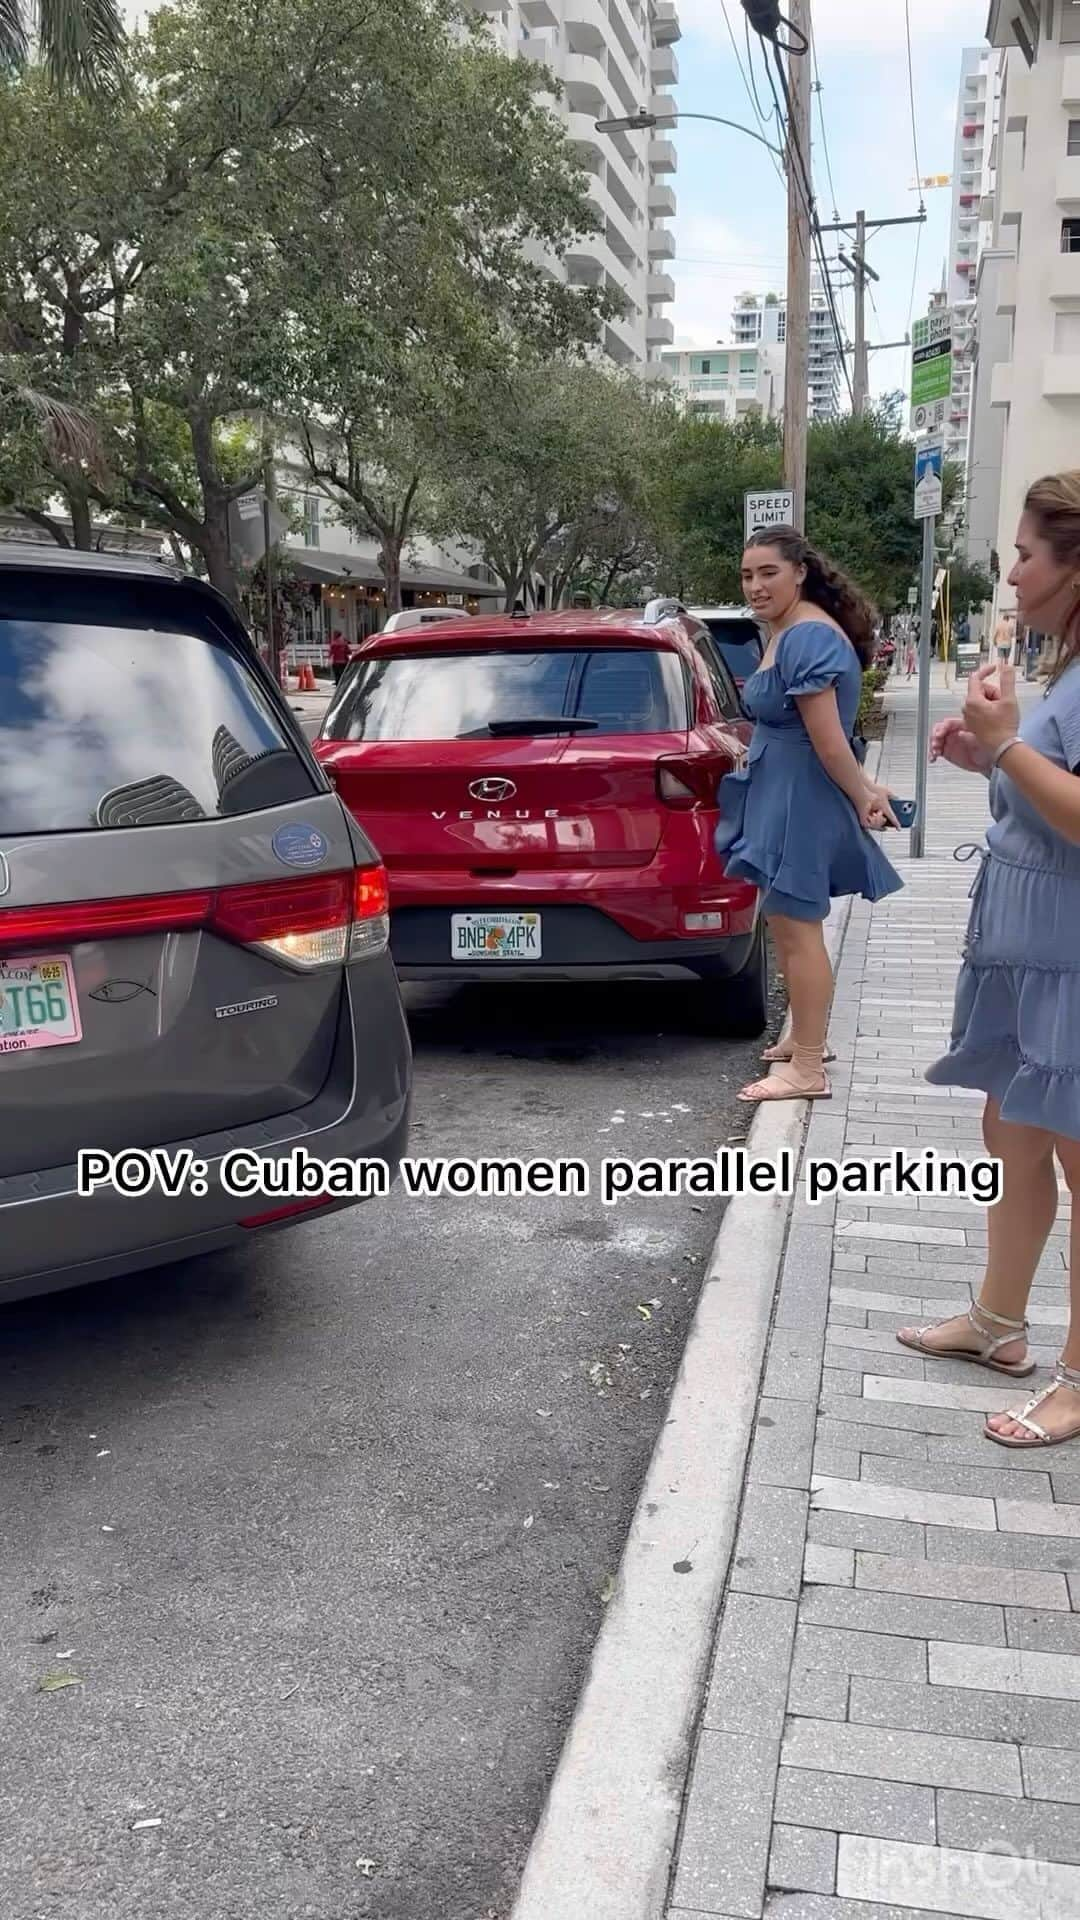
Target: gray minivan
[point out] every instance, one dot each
(193, 931)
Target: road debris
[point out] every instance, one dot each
(55, 1682)
(140, 1826)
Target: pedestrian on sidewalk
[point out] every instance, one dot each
(339, 653)
(910, 661)
(797, 820)
(1016, 1025)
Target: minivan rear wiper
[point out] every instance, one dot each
(562, 723)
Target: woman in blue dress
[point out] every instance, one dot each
(797, 821)
(1016, 1025)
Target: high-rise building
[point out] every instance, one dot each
(970, 232)
(763, 319)
(612, 57)
(729, 382)
(1026, 391)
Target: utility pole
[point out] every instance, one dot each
(861, 274)
(861, 369)
(797, 355)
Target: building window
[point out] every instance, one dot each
(1067, 333)
(1070, 236)
(1070, 22)
(310, 505)
(748, 362)
(1072, 144)
(781, 326)
(706, 366)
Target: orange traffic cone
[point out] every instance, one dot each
(311, 684)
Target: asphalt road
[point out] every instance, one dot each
(324, 1530)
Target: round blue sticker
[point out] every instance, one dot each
(300, 845)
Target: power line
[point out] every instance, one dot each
(806, 188)
(819, 90)
(750, 89)
(915, 151)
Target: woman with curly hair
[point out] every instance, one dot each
(798, 820)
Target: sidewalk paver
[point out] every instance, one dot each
(892, 1725)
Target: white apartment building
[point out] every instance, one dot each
(1026, 401)
(764, 318)
(612, 58)
(971, 231)
(747, 372)
(729, 382)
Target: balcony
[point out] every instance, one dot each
(663, 107)
(659, 331)
(661, 243)
(536, 13)
(1068, 181)
(661, 286)
(1061, 376)
(1006, 289)
(661, 202)
(665, 24)
(1063, 278)
(662, 157)
(1070, 80)
(544, 51)
(663, 67)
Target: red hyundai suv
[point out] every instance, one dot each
(543, 792)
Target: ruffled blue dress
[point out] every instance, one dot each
(785, 825)
(1016, 1018)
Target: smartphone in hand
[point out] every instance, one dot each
(905, 811)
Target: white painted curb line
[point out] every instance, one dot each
(604, 1846)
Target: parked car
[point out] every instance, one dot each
(193, 930)
(543, 791)
(737, 635)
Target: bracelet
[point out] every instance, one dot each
(1014, 740)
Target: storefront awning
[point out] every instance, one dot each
(352, 569)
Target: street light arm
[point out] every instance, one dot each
(641, 122)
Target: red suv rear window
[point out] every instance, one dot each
(437, 696)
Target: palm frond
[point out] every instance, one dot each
(71, 437)
(81, 42)
(14, 39)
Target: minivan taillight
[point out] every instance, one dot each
(322, 920)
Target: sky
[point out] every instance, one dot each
(731, 224)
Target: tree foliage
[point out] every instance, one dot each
(326, 208)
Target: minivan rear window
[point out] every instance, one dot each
(740, 643)
(454, 696)
(106, 727)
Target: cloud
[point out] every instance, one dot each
(853, 26)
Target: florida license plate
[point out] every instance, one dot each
(39, 1005)
(495, 936)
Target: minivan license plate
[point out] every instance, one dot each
(39, 1005)
(495, 936)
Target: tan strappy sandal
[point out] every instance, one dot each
(983, 1323)
(1067, 1379)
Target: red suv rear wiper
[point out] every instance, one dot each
(497, 729)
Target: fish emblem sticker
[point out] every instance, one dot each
(300, 845)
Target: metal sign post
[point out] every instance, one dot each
(929, 456)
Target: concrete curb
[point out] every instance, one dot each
(606, 1840)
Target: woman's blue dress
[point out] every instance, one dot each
(785, 825)
(1016, 1019)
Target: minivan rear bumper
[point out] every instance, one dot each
(52, 1237)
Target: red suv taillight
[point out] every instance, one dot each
(689, 780)
(322, 920)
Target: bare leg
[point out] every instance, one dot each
(1016, 1231)
(1061, 1412)
(800, 948)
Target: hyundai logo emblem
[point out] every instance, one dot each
(5, 876)
(497, 789)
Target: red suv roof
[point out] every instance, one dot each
(626, 626)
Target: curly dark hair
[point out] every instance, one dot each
(825, 587)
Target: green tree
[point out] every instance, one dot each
(545, 462)
(969, 588)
